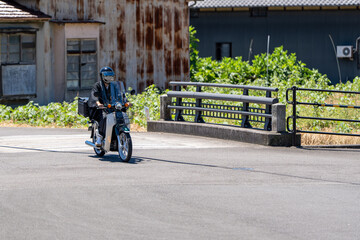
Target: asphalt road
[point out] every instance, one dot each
(52, 186)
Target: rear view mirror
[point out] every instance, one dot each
(132, 92)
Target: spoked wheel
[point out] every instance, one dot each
(99, 152)
(124, 146)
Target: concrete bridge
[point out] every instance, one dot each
(52, 186)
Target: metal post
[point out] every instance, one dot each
(294, 117)
(178, 115)
(198, 117)
(268, 124)
(245, 118)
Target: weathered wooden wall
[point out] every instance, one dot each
(144, 41)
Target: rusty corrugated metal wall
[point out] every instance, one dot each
(144, 41)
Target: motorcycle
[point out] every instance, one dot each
(117, 134)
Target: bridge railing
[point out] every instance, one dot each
(195, 103)
(293, 127)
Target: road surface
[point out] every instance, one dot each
(52, 186)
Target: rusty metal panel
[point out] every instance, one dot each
(140, 58)
(169, 42)
(122, 37)
(131, 46)
(145, 41)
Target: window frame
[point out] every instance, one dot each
(21, 61)
(218, 46)
(80, 53)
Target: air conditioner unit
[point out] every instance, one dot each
(344, 51)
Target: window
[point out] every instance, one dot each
(223, 50)
(18, 69)
(18, 48)
(358, 53)
(81, 63)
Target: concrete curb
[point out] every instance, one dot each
(355, 146)
(224, 132)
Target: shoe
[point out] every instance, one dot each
(98, 140)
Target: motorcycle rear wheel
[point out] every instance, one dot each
(124, 146)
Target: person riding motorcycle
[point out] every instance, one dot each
(100, 97)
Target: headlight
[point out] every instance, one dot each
(118, 106)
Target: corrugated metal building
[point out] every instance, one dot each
(61, 45)
(307, 28)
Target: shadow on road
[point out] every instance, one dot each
(184, 163)
(246, 169)
(41, 150)
(116, 159)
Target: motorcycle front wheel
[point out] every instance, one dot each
(124, 146)
(99, 152)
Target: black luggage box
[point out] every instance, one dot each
(83, 108)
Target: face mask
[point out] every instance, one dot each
(108, 79)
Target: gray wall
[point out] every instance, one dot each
(305, 33)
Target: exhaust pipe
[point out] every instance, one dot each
(91, 144)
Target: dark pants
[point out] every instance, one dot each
(99, 116)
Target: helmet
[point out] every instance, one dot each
(107, 75)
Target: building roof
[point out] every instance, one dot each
(76, 21)
(12, 11)
(273, 3)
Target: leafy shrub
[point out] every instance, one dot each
(194, 53)
(282, 70)
(65, 114)
(150, 98)
(5, 113)
(54, 114)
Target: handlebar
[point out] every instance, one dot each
(113, 106)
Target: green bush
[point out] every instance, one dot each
(194, 53)
(281, 70)
(65, 114)
(54, 114)
(5, 113)
(150, 98)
